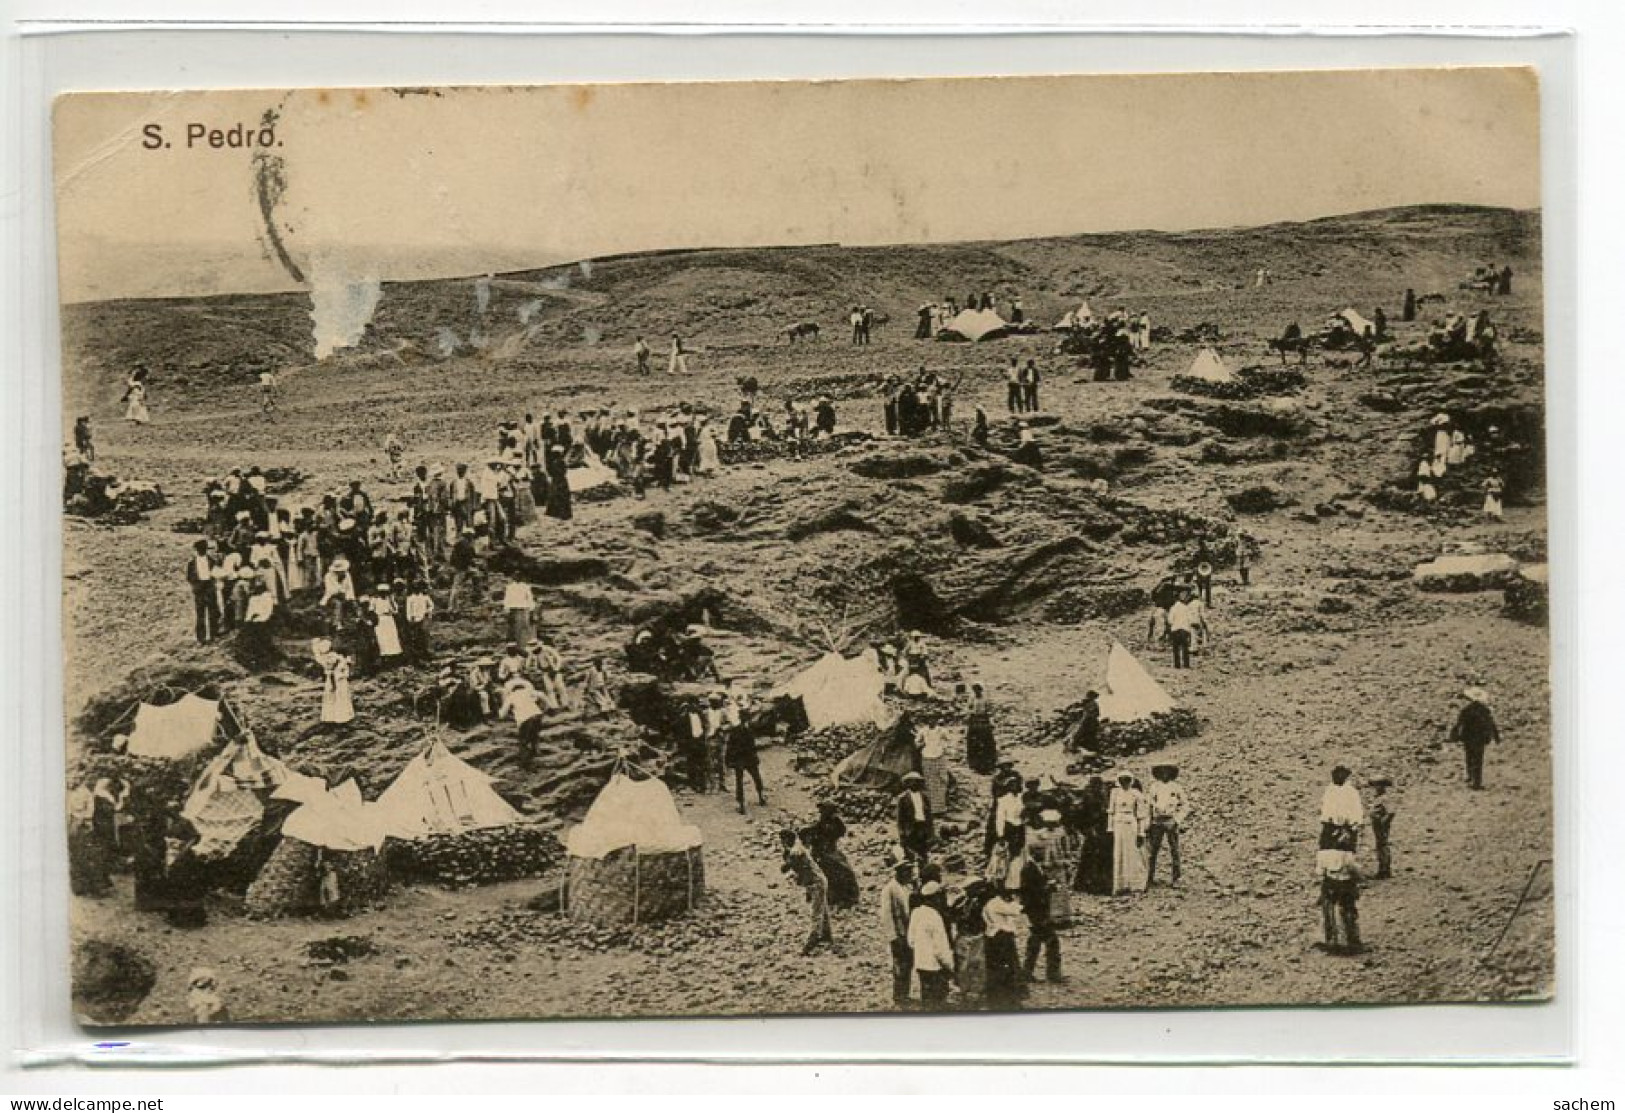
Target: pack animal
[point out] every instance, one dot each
(806, 330)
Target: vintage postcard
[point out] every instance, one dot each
(843, 547)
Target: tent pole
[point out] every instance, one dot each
(637, 884)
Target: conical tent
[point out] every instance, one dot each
(837, 691)
(1129, 692)
(438, 793)
(1209, 366)
(176, 730)
(975, 324)
(637, 814)
(1082, 315)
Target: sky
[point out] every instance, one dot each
(455, 181)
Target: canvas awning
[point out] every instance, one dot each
(836, 691)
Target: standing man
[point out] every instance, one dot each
(1474, 730)
(1340, 810)
(928, 941)
(464, 499)
(1382, 823)
(1181, 625)
(1167, 802)
(1014, 395)
(1339, 877)
(1029, 387)
(914, 817)
(205, 600)
(641, 350)
(894, 915)
(1035, 902)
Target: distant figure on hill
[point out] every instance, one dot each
(1408, 310)
(641, 351)
(679, 357)
(1504, 285)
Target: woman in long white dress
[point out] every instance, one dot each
(135, 403)
(1127, 818)
(386, 631)
(710, 460)
(1441, 444)
(337, 706)
(1458, 449)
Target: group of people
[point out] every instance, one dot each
(716, 737)
(917, 405)
(1449, 446)
(676, 361)
(933, 317)
(862, 320)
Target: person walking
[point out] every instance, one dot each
(894, 917)
(823, 841)
(1474, 730)
(739, 754)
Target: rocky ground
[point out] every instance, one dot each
(1332, 654)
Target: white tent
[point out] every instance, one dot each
(1129, 692)
(975, 324)
(1082, 315)
(1356, 322)
(176, 730)
(836, 691)
(639, 814)
(338, 820)
(439, 793)
(1209, 366)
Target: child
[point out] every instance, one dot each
(1381, 814)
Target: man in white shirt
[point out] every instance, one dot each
(1341, 809)
(1167, 802)
(1181, 623)
(894, 919)
(928, 940)
(519, 700)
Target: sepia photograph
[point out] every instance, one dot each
(805, 548)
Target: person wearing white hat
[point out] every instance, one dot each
(338, 592)
(1474, 730)
(928, 940)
